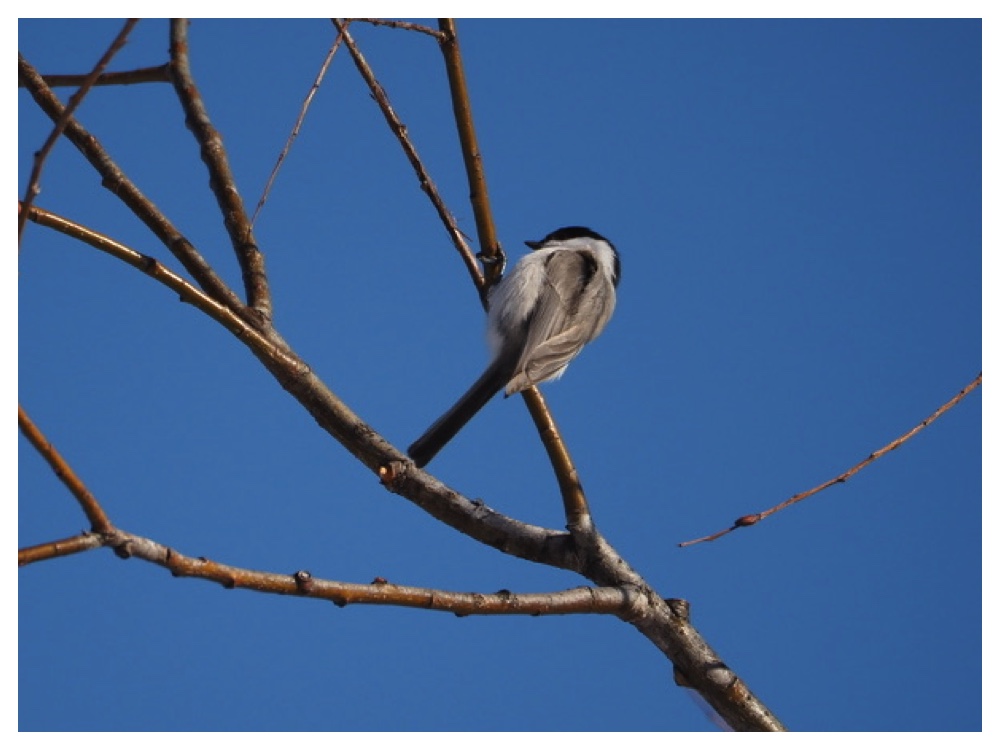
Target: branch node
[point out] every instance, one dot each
(681, 608)
(389, 474)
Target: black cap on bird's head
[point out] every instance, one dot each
(575, 233)
(566, 233)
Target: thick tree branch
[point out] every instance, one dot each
(472, 518)
(664, 623)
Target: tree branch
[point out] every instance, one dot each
(296, 128)
(398, 25)
(754, 518)
(155, 74)
(399, 129)
(74, 102)
(221, 180)
(99, 521)
(119, 185)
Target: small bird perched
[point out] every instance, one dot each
(558, 298)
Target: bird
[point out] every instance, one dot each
(558, 298)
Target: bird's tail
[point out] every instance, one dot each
(444, 429)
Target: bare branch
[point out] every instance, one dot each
(221, 178)
(155, 74)
(754, 518)
(74, 101)
(399, 129)
(61, 548)
(664, 622)
(399, 25)
(489, 246)
(297, 127)
(95, 513)
(472, 518)
(582, 600)
(618, 600)
(119, 185)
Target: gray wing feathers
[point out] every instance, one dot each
(574, 291)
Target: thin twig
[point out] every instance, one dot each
(297, 127)
(154, 74)
(74, 102)
(754, 518)
(399, 25)
(258, 341)
(114, 180)
(221, 178)
(399, 129)
(92, 509)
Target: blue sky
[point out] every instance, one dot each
(798, 209)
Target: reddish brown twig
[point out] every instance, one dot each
(754, 518)
(95, 513)
(59, 548)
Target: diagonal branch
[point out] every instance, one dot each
(115, 181)
(753, 518)
(99, 521)
(221, 178)
(665, 623)
(296, 128)
(399, 129)
(74, 102)
(607, 600)
(473, 518)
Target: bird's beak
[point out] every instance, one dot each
(532, 244)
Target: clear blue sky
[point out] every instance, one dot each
(797, 205)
